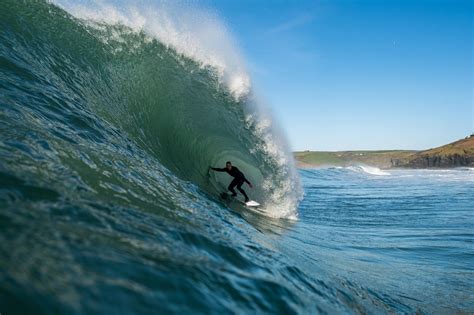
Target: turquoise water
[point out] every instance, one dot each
(400, 239)
(106, 204)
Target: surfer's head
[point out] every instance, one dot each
(228, 165)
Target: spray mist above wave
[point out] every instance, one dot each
(192, 32)
(199, 36)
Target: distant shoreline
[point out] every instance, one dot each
(457, 154)
(303, 166)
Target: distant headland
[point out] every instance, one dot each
(456, 154)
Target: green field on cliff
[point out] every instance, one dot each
(381, 159)
(455, 154)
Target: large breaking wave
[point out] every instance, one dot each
(168, 79)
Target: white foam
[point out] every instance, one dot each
(374, 170)
(192, 32)
(282, 188)
(441, 175)
(368, 170)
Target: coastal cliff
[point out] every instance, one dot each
(457, 154)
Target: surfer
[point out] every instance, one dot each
(239, 179)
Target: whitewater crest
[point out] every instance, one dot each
(192, 32)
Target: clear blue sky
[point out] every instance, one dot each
(360, 74)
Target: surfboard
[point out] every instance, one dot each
(252, 203)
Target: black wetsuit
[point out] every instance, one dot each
(239, 180)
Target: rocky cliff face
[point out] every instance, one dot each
(436, 161)
(456, 154)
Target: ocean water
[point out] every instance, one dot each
(399, 240)
(109, 119)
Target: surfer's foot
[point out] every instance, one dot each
(247, 199)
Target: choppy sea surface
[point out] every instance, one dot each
(398, 239)
(380, 242)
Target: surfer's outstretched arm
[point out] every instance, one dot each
(218, 169)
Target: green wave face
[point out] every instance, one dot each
(133, 117)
